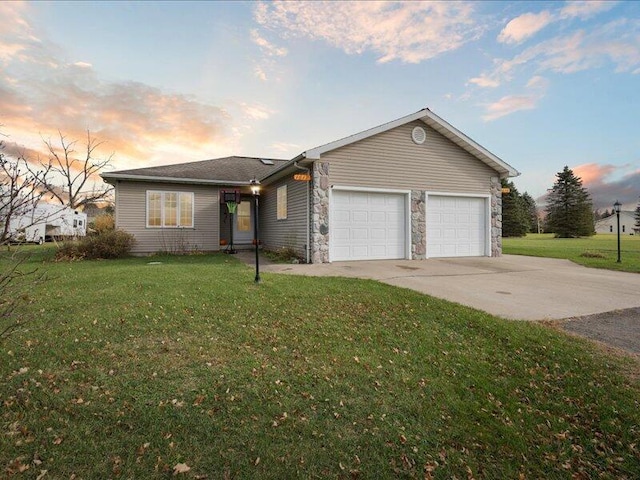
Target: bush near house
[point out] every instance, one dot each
(104, 223)
(106, 244)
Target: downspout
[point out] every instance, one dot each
(307, 246)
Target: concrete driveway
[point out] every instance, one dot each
(511, 286)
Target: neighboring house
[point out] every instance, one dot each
(412, 188)
(610, 224)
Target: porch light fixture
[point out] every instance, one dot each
(255, 190)
(616, 208)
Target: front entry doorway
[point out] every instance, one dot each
(243, 223)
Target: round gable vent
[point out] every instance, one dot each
(418, 135)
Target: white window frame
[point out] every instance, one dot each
(281, 203)
(162, 194)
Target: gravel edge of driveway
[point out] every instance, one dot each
(617, 333)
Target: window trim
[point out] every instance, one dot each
(162, 206)
(282, 203)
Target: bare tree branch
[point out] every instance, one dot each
(75, 181)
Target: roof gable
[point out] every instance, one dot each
(435, 122)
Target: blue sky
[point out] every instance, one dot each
(540, 84)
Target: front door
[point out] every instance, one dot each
(243, 223)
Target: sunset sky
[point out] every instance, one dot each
(540, 84)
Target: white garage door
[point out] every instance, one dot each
(367, 225)
(456, 226)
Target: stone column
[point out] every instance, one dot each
(320, 213)
(418, 225)
(496, 217)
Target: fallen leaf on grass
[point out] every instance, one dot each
(180, 468)
(42, 474)
(58, 441)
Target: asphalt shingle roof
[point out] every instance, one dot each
(226, 169)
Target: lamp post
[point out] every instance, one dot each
(255, 189)
(616, 208)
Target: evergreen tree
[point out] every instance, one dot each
(569, 208)
(532, 212)
(515, 222)
(637, 214)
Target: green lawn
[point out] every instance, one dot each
(129, 369)
(599, 251)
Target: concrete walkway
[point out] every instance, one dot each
(511, 286)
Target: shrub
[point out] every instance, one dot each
(592, 255)
(107, 244)
(283, 255)
(104, 222)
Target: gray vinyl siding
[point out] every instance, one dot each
(292, 231)
(392, 160)
(131, 211)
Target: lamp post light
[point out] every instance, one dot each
(255, 189)
(616, 207)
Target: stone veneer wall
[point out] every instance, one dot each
(320, 213)
(496, 217)
(418, 225)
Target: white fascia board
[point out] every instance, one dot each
(150, 178)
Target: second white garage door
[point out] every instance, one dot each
(367, 225)
(456, 226)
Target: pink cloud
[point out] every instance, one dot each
(525, 26)
(508, 105)
(608, 183)
(485, 81)
(586, 8)
(407, 31)
(592, 173)
(536, 88)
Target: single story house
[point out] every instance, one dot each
(412, 188)
(610, 224)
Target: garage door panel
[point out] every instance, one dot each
(378, 217)
(358, 234)
(341, 215)
(373, 229)
(358, 216)
(359, 251)
(456, 226)
(340, 233)
(378, 234)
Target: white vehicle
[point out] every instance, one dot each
(46, 222)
